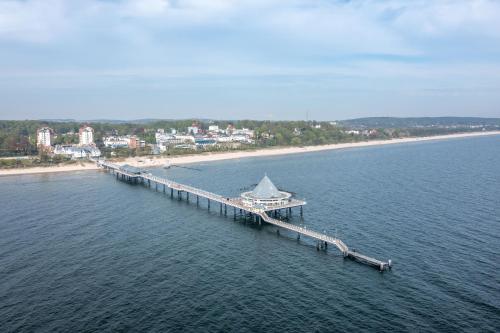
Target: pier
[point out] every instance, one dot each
(259, 213)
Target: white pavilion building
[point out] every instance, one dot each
(266, 196)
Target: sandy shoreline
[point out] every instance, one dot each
(60, 168)
(210, 157)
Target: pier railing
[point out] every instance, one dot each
(236, 203)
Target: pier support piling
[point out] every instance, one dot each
(248, 213)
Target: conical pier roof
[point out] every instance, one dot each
(266, 190)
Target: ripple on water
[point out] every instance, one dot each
(85, 252)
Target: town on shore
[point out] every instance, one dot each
(27, 144)
(193, 139)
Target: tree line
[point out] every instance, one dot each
(18, 138)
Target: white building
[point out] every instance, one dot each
(86, 135)
(224, 139)
(184, 138)
(164, 140)
(117, 141)
(241, 138)
(233, 138)
(244, 131)
(193, 130)
(168, 139)
(161, 137)
(44, 137)
(77, 152)
(92, 151)
(266, 196)
(213, 128)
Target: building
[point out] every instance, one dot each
(266, 196)
(44, 137)
(193, 129)
(161, 137)
(126, 141)
(86, 136)
(229, 129)
(134, 142)
(203, 142)
(241, 138)
(244, 132)
(115, 141)
(224, 139)
(163, 140)
(185, 138)
(77, 152)
(92, 151)
(213, 128)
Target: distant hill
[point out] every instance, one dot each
(370, 122)
(394, 122)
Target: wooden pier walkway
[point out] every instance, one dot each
(259, 215)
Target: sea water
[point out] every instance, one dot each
(83, 251)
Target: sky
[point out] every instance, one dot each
(248, 59)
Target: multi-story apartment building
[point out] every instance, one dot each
(44, 137)
(86, 135)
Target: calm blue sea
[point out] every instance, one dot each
(85, 252)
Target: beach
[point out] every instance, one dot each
(148, 162)
(56, 168)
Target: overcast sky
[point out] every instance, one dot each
(252, 59)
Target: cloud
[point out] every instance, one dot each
(371, 22)
(144, 8)
(422, 39)
(442, 18)
(32, 21)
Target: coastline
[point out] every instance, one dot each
(56, 168)
(211, 157)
